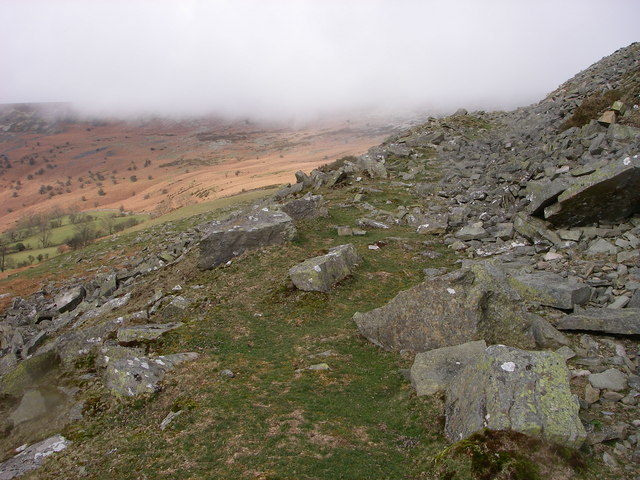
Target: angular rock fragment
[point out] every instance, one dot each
(225, 240)
(624, 321)
(32, 457)
(70, 299)
(534, 229)
(320, 273)
(550, 289)
(145, 333)
(128, 373)
(610, 379)
(433, 371)
(435, 224)
(307, 207)
(511, 389)
(469, 304)
(472, 232)
(610, 193)
(542, 194)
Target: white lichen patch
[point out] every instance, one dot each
(508, 366)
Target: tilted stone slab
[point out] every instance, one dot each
(433, 371)
(306, 207)
(321, 273)
(128, 373)
(465, 305)
(550, 289)
(623, 321)
(225, 240)
(518, 390)
(32, 457)
(610, 193)
(145, 333)
(67, 301)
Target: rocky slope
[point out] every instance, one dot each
(523, 226)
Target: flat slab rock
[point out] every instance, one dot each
(225, 240)
(321, 273)
(433, 371)
(128, 373)
(550, 289)
(32, 457)
(145, 333)
(610, 193)
(622, 321)
(469, 304)
(518, 390)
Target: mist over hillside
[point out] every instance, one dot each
(300, 59)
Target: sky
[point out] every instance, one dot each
(299, 58)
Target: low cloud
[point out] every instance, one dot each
(286, 59)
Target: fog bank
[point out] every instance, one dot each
(299, 58)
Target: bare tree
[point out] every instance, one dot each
(108, 223)
(4, 249)
(44, 230)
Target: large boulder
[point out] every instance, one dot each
(550, 289)
(28, 373)
(321, 273)
(624, 321)
(610, 193)
(469, 304)
(225, 240)
(433, 371)
(512, 389)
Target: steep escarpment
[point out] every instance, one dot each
(375, 316)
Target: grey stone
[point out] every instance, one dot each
(374, 168)
(534, 229)
(435, 224)
(545, 334)
(550, 289)
(635, 300)
(70, 299)
(629, 258)
(32, 457)
(543, 193)
(28, 372)
(624, 321)
(601, 247)
(321, 273)
(611, 379)
(619, 302)
(307, 207)
(225, 240)
(145, 333)
(469, 304)
(472, 232)
(433, 371)
(511, 389)
(128, 373)
(610, 193)
(367, 222)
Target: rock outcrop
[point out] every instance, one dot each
(471, 304)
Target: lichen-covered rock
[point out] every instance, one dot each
(28, 372)
(622, 321)
(129, 373)
(145, 333)
(32, 457)
(320, 273)
(469, 304)
(225, 240)
(512, 389)
(610, 193)
(550, 289)
(433, 371)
